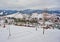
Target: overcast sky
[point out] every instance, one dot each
(29, 4)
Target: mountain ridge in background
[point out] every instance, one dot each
(28, 11)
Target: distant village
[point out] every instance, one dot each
(43, 20)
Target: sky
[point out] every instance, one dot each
(29, 4)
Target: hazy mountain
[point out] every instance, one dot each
(28, 11)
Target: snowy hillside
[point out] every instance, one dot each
(28, 34)
(15, 15)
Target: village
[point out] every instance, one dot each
(44, 20)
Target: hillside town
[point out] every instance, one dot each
(31, 20)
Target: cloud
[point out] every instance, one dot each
(24, 4)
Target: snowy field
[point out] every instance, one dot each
(28, 34)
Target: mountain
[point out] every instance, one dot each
(7, 12)
(28, 11)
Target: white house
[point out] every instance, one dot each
(26, 16)
(18, 16)
(34, 15)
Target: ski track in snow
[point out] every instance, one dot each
(28, 34)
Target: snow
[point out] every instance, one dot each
(40, 16)
(26, 16)
(48, 22)
(34, 15)
(28, 34)
(1, 13)
(2, 21)
(11, 15)
(16, 15)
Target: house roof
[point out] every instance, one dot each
(40, 16)
(18, 16)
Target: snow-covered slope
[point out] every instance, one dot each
(12, 15)
(16, 15)
(1, 13)
(28, 34)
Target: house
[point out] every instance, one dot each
(34, 15)
(26, 16)
(56, 20)
(20, 16)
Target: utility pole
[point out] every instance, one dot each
(9, 33)
(44, 17)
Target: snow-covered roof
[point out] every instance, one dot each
(25, 15)
(48, 23)
(40, 16)
(34, 15)
(18, 16)
(11, 15)
(40, 22)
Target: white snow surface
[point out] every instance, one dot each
(16, 15)
(1, 13)
(11, 15)
(28, 34)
